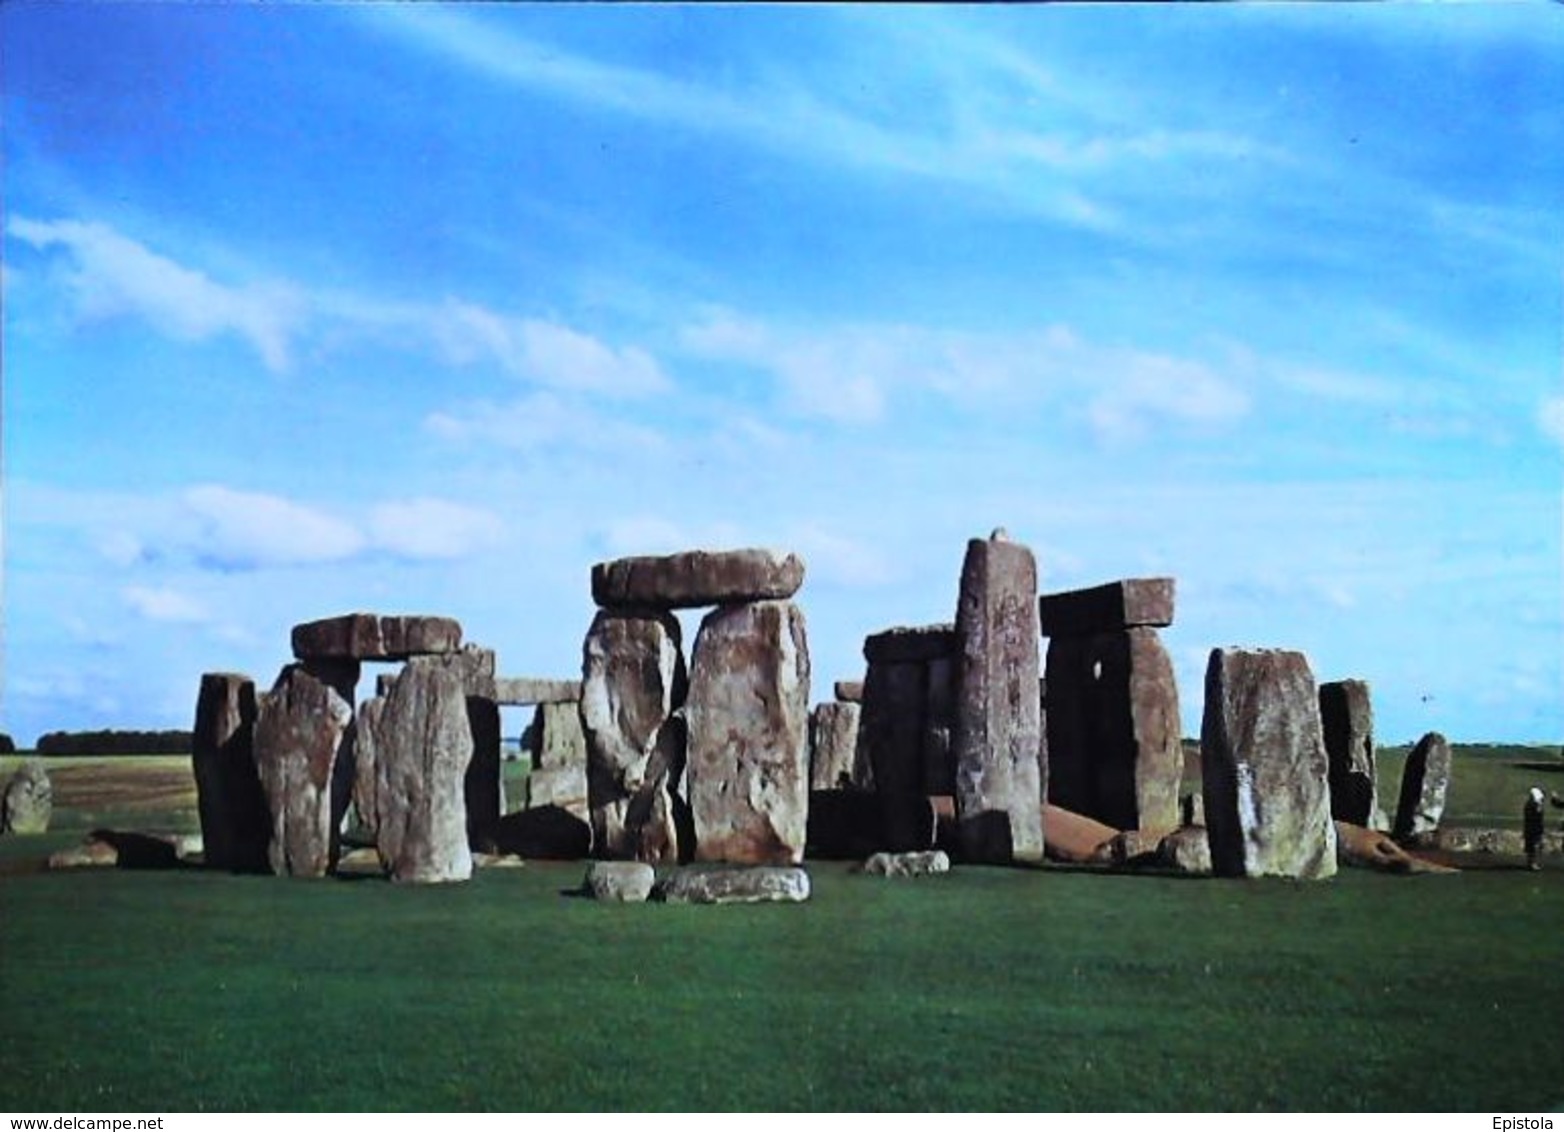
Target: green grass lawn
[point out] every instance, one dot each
(990, 988)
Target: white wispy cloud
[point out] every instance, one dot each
(112, 275)
(545, 421)
(250, 530)
(432, 529)
(1550, 419)
(162, 603)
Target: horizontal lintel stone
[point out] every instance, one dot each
(694, 579)
(1127, 604)
(910, 643)
(369, 636)
(517, 690)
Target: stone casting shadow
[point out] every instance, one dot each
(140, 850)
(550, 833)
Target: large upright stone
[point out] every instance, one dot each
(748, 715)
(696, 578)
(1347, 717)
(1113, 729)
(833, 746)
(423, 744)
(633, 681)
(303, 748)
(939, 725)
(557, 737)
(1425, 780)
(28, 801)
(235, 823)
(998, 718)
(890, 743)
(484, 788)
(1127, 604)
(1263, 766)
(369, 636)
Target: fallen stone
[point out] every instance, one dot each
(1135, 846)
(549, 833)
(423, 744)
(697, 578)
(1264, 768)
(1074, 838)
(28, 801)
(1347, 719)
(362, 861)
(908, 644)
(833, 746)
(498, 861)
(304, 757)
(634, 682)
(1425, 780)
(135, 850)
(235, 822)
(848, 691)
(1369, 849)
(369, 636)
(932, 863)
(747, 778)
(1496, 842)
(90, 855)
(998, 726)
(1128, 604)
(1186, 850)
(755, 885)
(622, 882)
(1113, 723)
(516, 691)
(565, 787)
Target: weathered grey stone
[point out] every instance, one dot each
(848, 691)
(366, 801)
(998, 717)
(833, 746)
(939, 725)
(747, 779)
(1127, 604)
(1425, 780)
(235, 822)
(565, 787)
(369, 636)
(1113, 729)
(304, 756)
(522, 690)
(931, 863)
(1503, 842)
(1186, 850)
(1264, 768)
(697, 578)
(890, 746)
(28, 802)
(1135, 846)
(910, 643)
(558, 738)
(1192, 809)
(756, 885)
(633, 683)
(622, 882)
(1347, 719)
(423, 744)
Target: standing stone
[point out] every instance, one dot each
(368, 636)
(1114, 730)
(833, 746)
(423, 743)
(1425, 780)
(28, 802)
(559, 741)
(235, 823)
(366, 759)
(1263, 767)
(890, 743)
(939, 724)
(748, 714)
(633, 682)
(303, 736)
(565, 787)
(696, 578)
(1347, 717)
(998, 718)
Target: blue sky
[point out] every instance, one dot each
(426, 308)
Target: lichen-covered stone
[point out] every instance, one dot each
(1425, 780)
(757, 885)
(1186, 850)
(747, 778)
(934, 862)
(28, 801)
(998, 718)
(620, 882)
(235, 821)
(370, 636)
(1264, 769)
(697, 578)
(633, 683)
(304, 759)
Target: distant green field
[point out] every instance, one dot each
(991, 988)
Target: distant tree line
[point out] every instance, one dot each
(114, 743)
(7, 745)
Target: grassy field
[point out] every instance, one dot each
(990, 988)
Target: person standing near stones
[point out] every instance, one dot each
(1531, 825)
